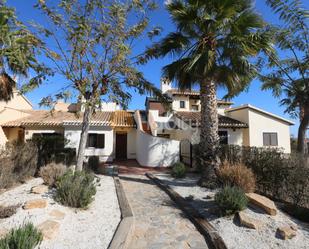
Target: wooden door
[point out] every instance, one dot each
(121, 145)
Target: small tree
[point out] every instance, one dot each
(94, 41)
(18, 52)
(290, 74)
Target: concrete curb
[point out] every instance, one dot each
(125, 229)
(210, 234)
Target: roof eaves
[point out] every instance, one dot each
(248, 106)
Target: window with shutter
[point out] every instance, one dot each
(270, 139)
(182, 104)
(101, 141)
(96, 141)
(223, 135)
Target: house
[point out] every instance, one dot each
(18, 107)
(244, 125)
(154, 137)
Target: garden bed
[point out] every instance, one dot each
(90, 228)
(233, 234)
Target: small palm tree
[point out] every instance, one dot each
(214, 43)
(289, 77)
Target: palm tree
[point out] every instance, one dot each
(214, 43)
(18, 50)
(289, 77)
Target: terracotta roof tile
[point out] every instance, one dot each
(194, 118)
(59, 118)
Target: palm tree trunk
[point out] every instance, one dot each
(304, 124)
(83, 137)
(209, 138)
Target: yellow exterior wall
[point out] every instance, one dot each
(17, 102)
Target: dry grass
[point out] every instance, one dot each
(237, 175)
(51, 172)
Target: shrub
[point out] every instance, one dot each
(8, 211)
(237, 175)
(24, 156)
(93, 163)
(231, 200)
(179, 170)
(51, 173)
(7, 178)
(75, 189)
(280, 176)
(25, 237)
(18, 162)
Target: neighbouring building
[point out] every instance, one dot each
(154, 137)
(244, 125)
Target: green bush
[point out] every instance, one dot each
(25, 237)
(75, 189)
(231, 200)
(179, 170)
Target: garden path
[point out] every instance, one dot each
(158, 222)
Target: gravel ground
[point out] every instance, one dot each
(234, 235)
(80, 229)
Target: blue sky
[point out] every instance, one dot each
(152, 71)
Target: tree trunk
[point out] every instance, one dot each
(304, 124)
(209, 138)
(83, 137)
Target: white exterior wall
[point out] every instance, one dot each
(72, 134)
(131, 144)
(258, 124)
(30, 131)
(176, 103)
(155, 151)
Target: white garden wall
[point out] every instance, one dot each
(154, 151)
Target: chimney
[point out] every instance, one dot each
(165, 85)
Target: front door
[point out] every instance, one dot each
(121, 145)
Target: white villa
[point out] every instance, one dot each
(154, 137)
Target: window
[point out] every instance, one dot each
(270, 139)
(182, 104)
(96, 141)
(194, 107)
(164, 135)
(223, 137)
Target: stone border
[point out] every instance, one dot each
(213, 239)
(124, 231)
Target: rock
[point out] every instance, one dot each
(41, 189)
(56, 214)
(3, 232)
(49, 229)
(249, 222)
(263, 202)
(287, 232)
(37, 203)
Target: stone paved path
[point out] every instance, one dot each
(158, 223)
